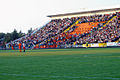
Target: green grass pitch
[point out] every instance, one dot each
(61, 64)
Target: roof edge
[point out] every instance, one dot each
(83, 12)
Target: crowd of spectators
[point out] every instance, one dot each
(53, 35)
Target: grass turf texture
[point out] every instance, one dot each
(61, 64)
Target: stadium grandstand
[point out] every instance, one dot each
(98, 28)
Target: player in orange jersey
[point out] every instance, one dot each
(20, 47)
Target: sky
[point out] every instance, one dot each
(25, 14)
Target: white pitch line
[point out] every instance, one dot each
(29, 75)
